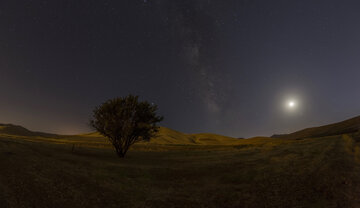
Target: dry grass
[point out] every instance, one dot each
(203, 171)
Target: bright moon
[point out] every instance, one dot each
(291, 104)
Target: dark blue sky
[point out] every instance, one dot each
(216, 66)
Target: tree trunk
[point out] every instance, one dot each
(121, 147)
(120, 152)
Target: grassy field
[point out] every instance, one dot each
(201, 171)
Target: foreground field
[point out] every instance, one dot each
(261, 172)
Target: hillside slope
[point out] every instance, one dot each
(344, 127)
(11, 129)
(169, 136)
(165, 136)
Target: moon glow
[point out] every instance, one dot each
(291, 104)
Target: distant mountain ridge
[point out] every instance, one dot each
(170, 136)
(11, 129)
(344, 127)
(165, 136)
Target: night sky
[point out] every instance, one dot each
(225, 67)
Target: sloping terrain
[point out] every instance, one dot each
(11, 129)
(344, 127)
(165, 136)
(169, 136)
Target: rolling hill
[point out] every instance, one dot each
(11, 129)
(166, 136)
(344, 127)
(169, 136)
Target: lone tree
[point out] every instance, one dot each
(125, 121)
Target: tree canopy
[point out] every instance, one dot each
(125, 121)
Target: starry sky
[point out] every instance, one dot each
(224, 67)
